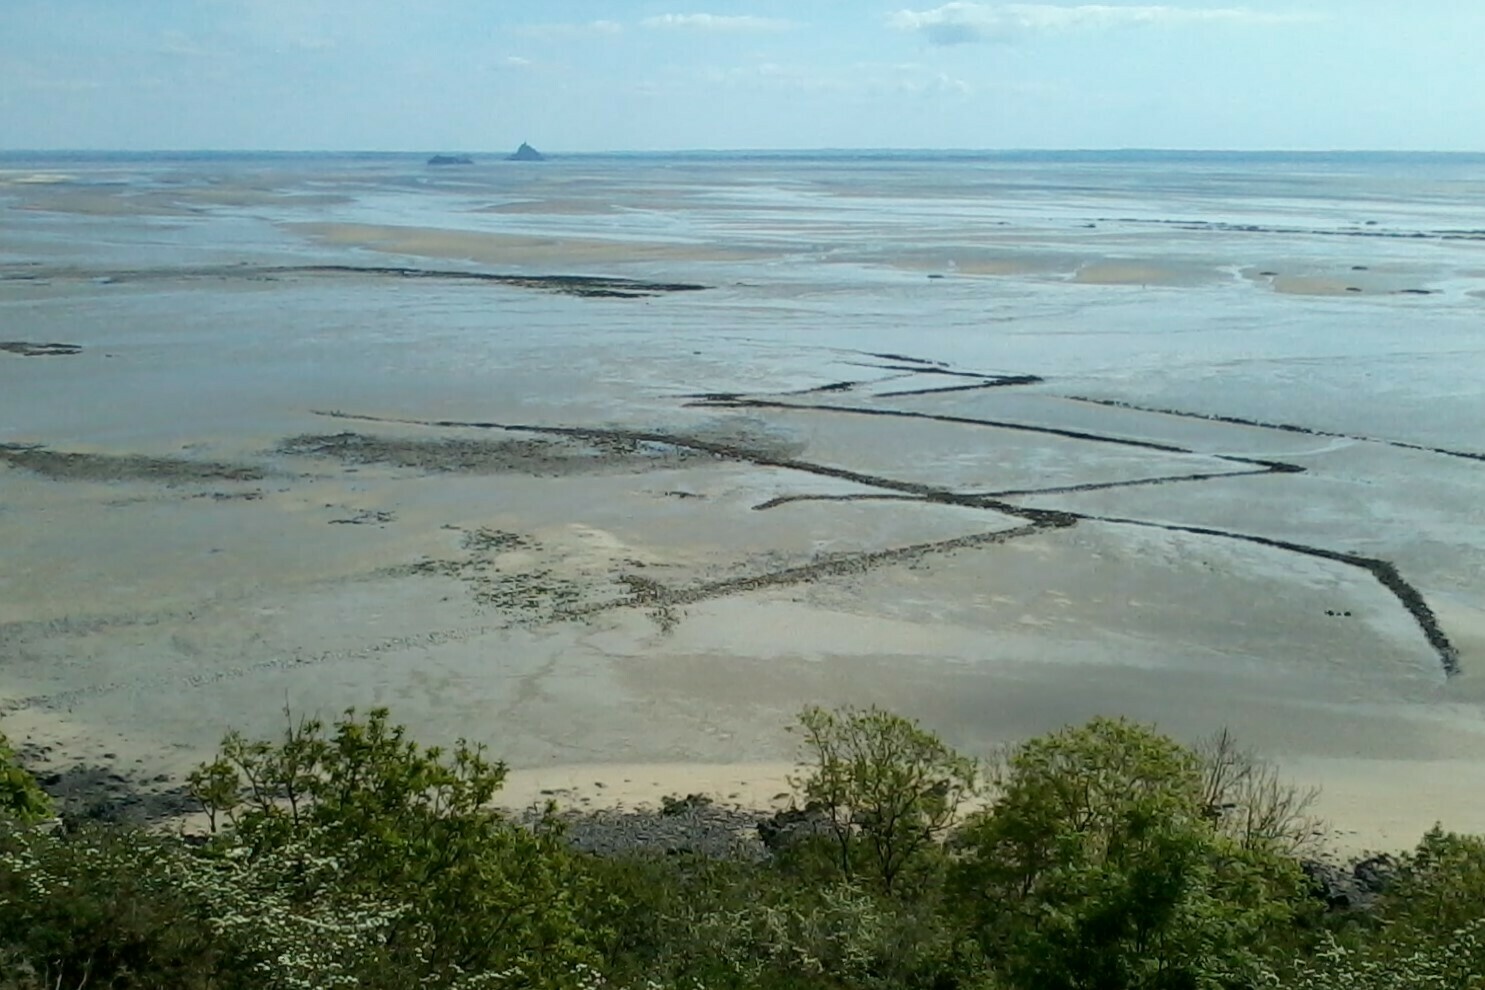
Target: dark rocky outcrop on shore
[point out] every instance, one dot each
(1353, 887)
(450, 160)
(785, 828)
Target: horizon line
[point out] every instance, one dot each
(1151, 149)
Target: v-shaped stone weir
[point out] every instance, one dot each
(651, 593)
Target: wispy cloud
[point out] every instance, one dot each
(569, 30)
(874, 80)
(181, 45)
(717, 22)
(963, 23)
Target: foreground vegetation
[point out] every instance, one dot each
(1100, 856)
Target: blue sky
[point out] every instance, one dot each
(575, 75)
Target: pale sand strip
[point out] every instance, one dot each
(490, 247)
(590, 786)
(1366, 805)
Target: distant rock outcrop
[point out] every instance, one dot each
(450, 160)
(793, 825)
(1350, 889)
(526, 153)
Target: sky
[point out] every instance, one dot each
(613, 75)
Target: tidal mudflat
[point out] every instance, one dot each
(615, 462)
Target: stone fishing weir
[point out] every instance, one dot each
(645, 592)
(586, 286)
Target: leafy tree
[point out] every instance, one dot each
(412, 826)
(1096, 867)
(735, 925)
(20, 796)
(1439, 886)
(101, 906)
(889, 789)
(1427, 932)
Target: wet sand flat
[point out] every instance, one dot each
(504, 249)
(622, 536)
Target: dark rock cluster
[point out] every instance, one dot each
(1350, 888)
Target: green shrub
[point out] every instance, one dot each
(20, 796)
(100, 907)
(1428, 932)
(889, 790)
(399, 824)
(349, 856)
(1097, 867)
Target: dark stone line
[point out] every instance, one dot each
(982, 381)
(714, 396)
(580, 283)
(832, 387)
(739, 453)
(1214, 226)
(852, 563)
(779, 500)
(1274, 467)
(1285, 427)
(1138, 482)
(936, 391)
(887, 356)
(964, 420)
(940, 371)
(999, 381)
(1384, 571)
(588, 286)
(26, 348)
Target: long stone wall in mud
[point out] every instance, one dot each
(589, 286)
(538, 448)
(649, 593)
(1283, 427)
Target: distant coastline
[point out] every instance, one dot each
(780, 154)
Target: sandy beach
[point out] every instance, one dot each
(273, 444)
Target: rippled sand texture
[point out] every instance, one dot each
(619, 461)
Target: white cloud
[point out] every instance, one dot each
(180, 44)
(770, 77)
(874, 80)
(962, 23)
(717, 22)
(569, 30)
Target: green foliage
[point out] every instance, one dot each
(118, 906)
(723, 925)
(348, 856)
(889, 788)
(1451, 961)
(1097, 867)
(95, 908)
(836, 935)
(1429, 930)
(1439, 887)
(410, 826)
(20, 796)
